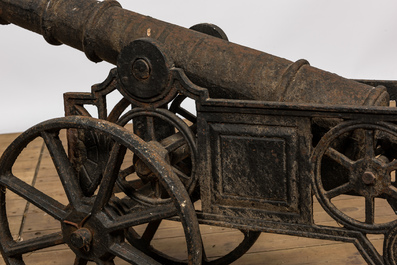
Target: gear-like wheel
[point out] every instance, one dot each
(92, 226)
(356, 158)
(176, 143)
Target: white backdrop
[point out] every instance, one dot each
(355, 39)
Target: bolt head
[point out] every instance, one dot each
(81, 238)
(369, 178)
(141, 69)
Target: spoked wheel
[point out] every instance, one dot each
(176, 144)
(143, 243)
(180, 151)
(368, 166)
(92, 226)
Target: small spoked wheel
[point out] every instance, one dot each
(356, 158)
(176, 144)
(93, 226)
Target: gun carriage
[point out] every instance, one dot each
(268, 135)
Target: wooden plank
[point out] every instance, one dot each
(58, 257)
(345, 254)
(6, 139)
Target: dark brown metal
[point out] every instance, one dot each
(81, 238)
(268, 134)
(93, 226)
(102, 29)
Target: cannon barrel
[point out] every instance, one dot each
(102, 28)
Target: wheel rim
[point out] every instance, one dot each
(390, 247)
(368, 174)
(143, 242)
(95, 214)
(181, 139)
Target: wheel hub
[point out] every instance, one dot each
(86, 235)
(81, 238)
(370, 177)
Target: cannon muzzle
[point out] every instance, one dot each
(102, 28)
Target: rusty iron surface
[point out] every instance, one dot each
(102, 29)
(268, 137)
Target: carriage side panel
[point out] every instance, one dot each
(255, 165)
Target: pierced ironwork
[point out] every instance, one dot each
(267, 135)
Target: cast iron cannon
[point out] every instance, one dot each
(267, 135)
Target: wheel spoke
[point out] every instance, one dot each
(392, 202)
(127, 171)
(127, 185)
(151, 132)
(150, 231)
(157, 189)
(391, 195)
(369, 143)
(173, 142)
(30, 245)
(339, 157)
(110, 176)
(342, 189)
(137, 184)
(180, 174)
(132, 255)
(392, 191)
(369, 210)
(34, 196)
(64, 167)
(142, 217)
(392, 165)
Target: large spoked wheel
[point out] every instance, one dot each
(92, 226)
(368, 165)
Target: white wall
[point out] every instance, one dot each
(355, 39)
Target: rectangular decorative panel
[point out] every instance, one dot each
(256, 167)
(253, 168)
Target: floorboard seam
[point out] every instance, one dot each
(25, 212)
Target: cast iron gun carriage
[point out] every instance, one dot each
(268, 135)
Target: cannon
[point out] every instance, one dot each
(269, 137)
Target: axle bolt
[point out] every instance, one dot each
(369, 178)
(141, 69)
(81, 238)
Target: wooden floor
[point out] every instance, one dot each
(26, 221)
